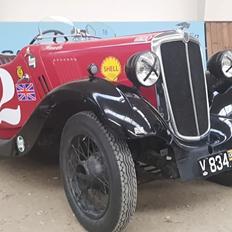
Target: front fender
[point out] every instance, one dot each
(126, 114)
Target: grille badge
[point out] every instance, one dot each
(186, 37)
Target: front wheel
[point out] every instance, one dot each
(98, 173)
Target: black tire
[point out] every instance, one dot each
(224, 178)
(119, 166)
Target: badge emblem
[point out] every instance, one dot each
(26, 92)
(32, 61)
(186, 37)
(111, 68)
(20, 72)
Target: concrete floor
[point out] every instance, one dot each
(32, 200)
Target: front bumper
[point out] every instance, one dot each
(188, 165)
(219, 140)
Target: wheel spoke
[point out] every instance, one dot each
(101, 181)
(88, 147)
(82, 150)
(93, 148)
(77, 153)
(87, 176)
(105, 187)
(79, 150)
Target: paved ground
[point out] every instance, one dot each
(32, 200)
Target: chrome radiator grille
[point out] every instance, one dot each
(185, 86)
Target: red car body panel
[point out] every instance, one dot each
(60, 63)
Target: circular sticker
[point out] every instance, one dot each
(111, 68)
(20, 72)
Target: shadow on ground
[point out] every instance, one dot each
(172, 194)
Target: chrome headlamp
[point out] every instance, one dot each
(143, 69)
(220, 64)
(226, 64)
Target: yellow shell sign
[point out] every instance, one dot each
(111, 68)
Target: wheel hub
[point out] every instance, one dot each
(93, 166)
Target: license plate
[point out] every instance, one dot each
(214, 164)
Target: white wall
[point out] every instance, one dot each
(218, 10)
(117, 10)
(103, 10)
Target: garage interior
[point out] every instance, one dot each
(31, 191)
(218, 36)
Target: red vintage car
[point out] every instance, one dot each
(110, 108)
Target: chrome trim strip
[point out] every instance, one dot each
(155, 47)
(191, 88)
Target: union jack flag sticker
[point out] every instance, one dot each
(26, 92)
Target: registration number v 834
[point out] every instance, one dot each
(215, 164)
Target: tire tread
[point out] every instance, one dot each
(127, 174)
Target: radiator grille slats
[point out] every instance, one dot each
(199, 88)
(186, 88)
